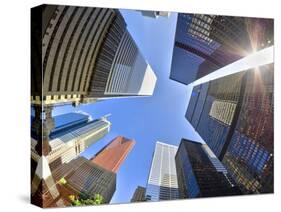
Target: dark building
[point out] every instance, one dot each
(236, 121)
(212, 108)
(87, 179)
(139, 195)
(200, 173)
(249, 154)
(205, 43)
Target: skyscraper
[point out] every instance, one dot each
(162, 181)
(200, 173)
(249, 154)
(85, 179)
(128, 75)
(86, 54)
(205, 43)
(139, 195)
(113, 154)
(236, 121)
(63, 124)
(71, 136)
(212, 108)
(154, 14)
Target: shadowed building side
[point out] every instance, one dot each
(86, 179)
(213, 107)
(200, 173)
(139, 194)
(249, 155)
(236, 122)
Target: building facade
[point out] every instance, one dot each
(128, 74)
(200, 173)
(205, 43)
(113, 154)
(71, 136)
(155, 14)
(86, 179)
(139, 195)
(236, 121)
(212, 108)
(162, 181)
(249, 155)
(82, 52)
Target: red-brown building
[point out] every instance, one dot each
(112, 155)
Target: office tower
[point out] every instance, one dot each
(83, 51)
(162, 181)
(212, 109)
(129, 73)
(84, 179)
(155, 14)
(139, 195)
(236, 121)
(60, 125)
(200, 173)
(63, 123)
(71, 136)
(205, 43)
(249, 154)
(113, 154)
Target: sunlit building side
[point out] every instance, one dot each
(205, 43)
(162, 181)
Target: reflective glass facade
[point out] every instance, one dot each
(237, 124)
(249, 156)
(212, 124)
(200, 174)
(205, 43)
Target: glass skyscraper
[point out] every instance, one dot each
(162, 181)
(71, 135)
(236, 121)
(249, 155)
(200, 173)
(205, 43)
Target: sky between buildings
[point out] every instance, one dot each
(144, 119)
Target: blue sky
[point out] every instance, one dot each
(144, 119)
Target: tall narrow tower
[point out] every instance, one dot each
(162, 182)
(113, 155)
